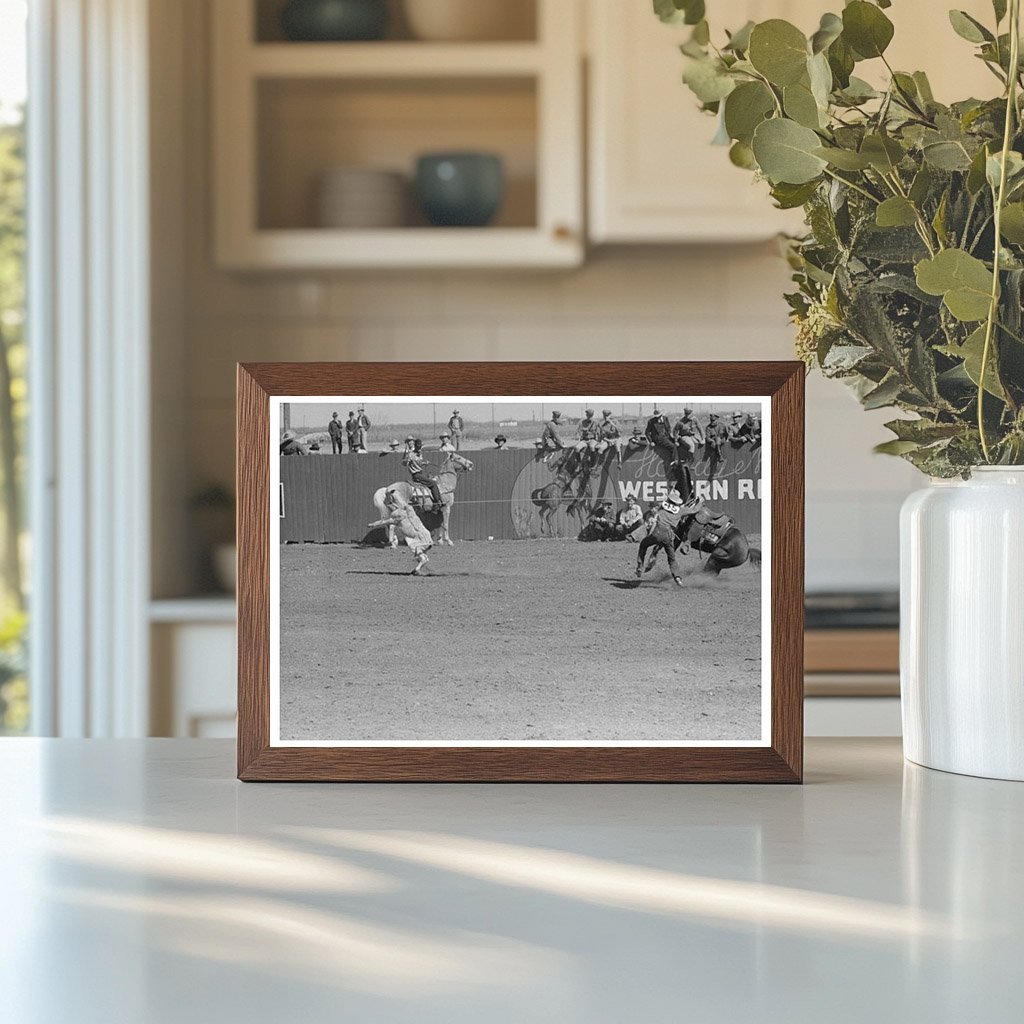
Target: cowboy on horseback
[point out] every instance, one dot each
(420, 471)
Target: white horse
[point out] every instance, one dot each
(418, 495)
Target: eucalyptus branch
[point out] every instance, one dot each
(1000, 198)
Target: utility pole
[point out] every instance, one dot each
(286, 416)
(433, 412)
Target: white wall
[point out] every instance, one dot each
(654, 303)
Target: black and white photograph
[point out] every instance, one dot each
(459, 571)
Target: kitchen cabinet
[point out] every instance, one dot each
(653, 175)
(286, 113)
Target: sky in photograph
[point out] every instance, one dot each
(316, 414)
(12, 57)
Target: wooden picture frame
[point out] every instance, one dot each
(780, 386)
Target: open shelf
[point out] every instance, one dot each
(308, 127)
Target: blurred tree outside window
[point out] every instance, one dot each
(14, 693)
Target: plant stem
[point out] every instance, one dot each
(849, 184)
(993, 309)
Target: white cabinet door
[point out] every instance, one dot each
(653, 175)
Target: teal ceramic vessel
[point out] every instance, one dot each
(333, 21)
(460, 189)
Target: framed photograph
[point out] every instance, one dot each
(521, 572)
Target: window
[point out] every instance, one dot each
(14, 550)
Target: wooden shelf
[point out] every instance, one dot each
(393, 60)
(401, 247)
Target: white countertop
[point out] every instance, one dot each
(141, 884)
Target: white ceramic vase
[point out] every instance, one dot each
(962, 624)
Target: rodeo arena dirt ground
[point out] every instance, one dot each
(515, 640)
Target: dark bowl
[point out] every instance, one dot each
(461, 190)
(332, 21)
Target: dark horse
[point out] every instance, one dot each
(716, 536)
(551, 497)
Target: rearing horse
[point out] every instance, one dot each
(551, 497)
(418, 494)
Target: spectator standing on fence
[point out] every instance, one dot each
(352, 430)
(456, 426)
(337, 431)
(363, 423)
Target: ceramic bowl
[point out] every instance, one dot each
(334, 20)
(358, 197)
(460, 189)
(470, 20)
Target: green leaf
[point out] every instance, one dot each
(841, 60)
(866, 29)
(896, 447)
(971, 352)
(947, 156)
(969, 28)
(778, 50)
(785, 152)
(858, 91)
(800, 105)
(789, 197)
(963, 281)
(999, 7)
(921, 185)
(741, 155)
(883, 153)
(1012, 224)
(745, 108)
(976, 173)
(675, 12)
(829, 30)
(924, 87)
(885, 394)
(739, 41)
(844, 159)
(708, 80)
(896, 212)
(820, 77)
(1014, 169)
(923, 431)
